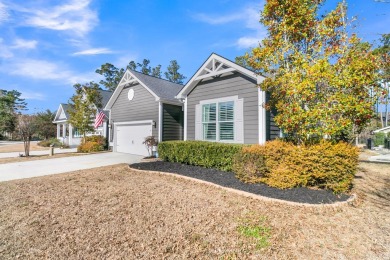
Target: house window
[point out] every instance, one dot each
(218, 121)
(76, 133)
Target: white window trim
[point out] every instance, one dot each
(217, 101)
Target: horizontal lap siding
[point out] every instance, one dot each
(143, 107)
(273, 130)
(172, 122)
(232, 85)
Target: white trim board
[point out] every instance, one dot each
(135, 122)
(209, 69)
(217, 100)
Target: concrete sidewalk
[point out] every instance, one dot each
(384, 158)
(21, 170)
(44, 152)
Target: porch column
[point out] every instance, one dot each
(58, 131)
(64, 130)
(70, 134)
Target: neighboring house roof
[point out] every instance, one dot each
(384, 129)
(214, 66)
(64, 108)
(161, 89)
(105, 96)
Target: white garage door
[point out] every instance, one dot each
(130, 138)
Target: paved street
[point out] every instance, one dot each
(380, 158)
(21, 170)
(45, 152)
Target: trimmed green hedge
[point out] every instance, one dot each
(200, 153)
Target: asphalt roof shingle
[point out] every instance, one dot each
(164, 89)
(106, 95)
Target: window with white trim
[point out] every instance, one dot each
(218, 121)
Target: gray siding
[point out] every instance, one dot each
(232, 85)
(143, 107)
(273, 130)
(172, 126)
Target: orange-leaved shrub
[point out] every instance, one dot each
(285, 165)
(92, 143)
(89, 147)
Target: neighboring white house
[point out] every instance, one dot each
(68, 134)
(383, 130)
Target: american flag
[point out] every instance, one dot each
(99, 118)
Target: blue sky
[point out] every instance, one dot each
(48, 45)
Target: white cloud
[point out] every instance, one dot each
(3, 13)
(46, 70)
(249, 16)
(124, 60)
(24, 44)
(215, 20)
(5, 53)
(74, 16)
(93, 51)
(32, 95)
(247, 42)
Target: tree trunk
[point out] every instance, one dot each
(26, 142)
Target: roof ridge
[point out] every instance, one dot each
(156, 77)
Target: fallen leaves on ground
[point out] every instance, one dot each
(116, 213)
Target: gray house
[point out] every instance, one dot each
(68, 134)
(143, 106)
(222, 103)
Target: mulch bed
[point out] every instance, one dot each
(227, 179)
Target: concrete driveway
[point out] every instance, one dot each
(21, 170)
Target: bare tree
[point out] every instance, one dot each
(27, 127)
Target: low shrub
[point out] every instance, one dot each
(90, 147)
(199, 153)
(379, 139)
(285, 165)
(94, 143)
(52, 141)
(95, 138)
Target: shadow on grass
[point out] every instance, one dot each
(375, 186)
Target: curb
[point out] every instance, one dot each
(380, 162)
(255, 196)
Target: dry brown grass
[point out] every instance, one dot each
(20, 148)
(37, 157)
(366, 154)
(116, 213)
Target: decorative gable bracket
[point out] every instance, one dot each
(214, 68)
(127, 79)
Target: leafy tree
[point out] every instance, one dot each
(10, 105)
(27, 126)
(45, 125)
(132, 65)
(84, 104)
(173, 74)
(144, 67)
(156, 72)
(319, 75)
(111, 74)
(241, 60)
(383, 51)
